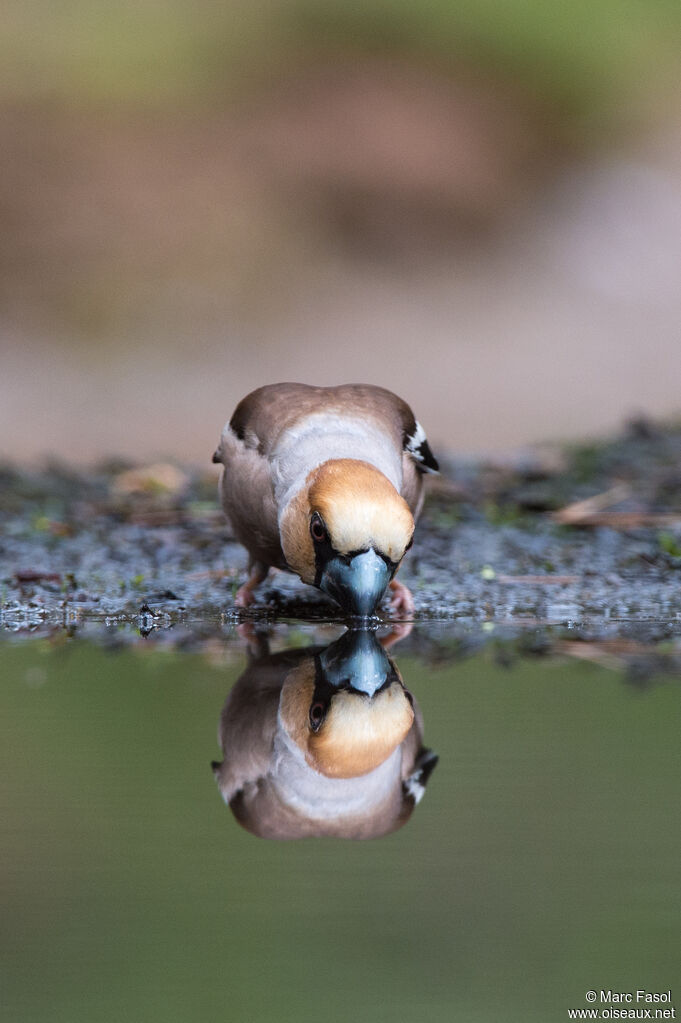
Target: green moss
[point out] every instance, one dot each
(585, 462)
(444, 516)
(500, 513)
(669, 544)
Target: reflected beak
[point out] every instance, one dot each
(357, 659)
(358, 585)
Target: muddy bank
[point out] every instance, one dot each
(588, 537)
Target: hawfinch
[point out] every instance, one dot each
(322, 741)
(325, 482)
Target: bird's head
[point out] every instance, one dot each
(346, 532)
(347, 711)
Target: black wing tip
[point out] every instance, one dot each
(414, 786)
(424, 457)
(415, 442)
(237, 422)
(427, 458)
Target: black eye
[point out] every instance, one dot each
(317, 528)
(317, 715)
(410, 544)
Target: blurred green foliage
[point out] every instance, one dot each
(579, 55)
(669, 544)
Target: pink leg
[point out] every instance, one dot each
(247, 631)
(244, 596)
(401, 600)
(258, 642)
(400, 630)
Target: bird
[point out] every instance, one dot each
(325, 482)
(322, 740)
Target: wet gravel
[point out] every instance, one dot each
(151, 545)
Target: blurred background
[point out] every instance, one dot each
(476, 203)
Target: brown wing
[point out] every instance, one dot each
(248, 720)
(248, 499)
(393, 412)
(261, 416)
(252, 434)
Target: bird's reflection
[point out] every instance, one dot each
(322, 741)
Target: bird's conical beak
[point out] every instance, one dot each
(358, 661)
(357, 585)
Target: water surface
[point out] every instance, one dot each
(542, 860)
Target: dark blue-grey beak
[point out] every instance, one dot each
(358, 584)
(358, 661)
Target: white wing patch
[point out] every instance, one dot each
(414, 788)
(415, 784)
(418, 447)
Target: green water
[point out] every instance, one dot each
(542, 861)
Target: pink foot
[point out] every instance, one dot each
(247, 631)
(401, 599)
(257, 642)
(244, 596)
(400, 630)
